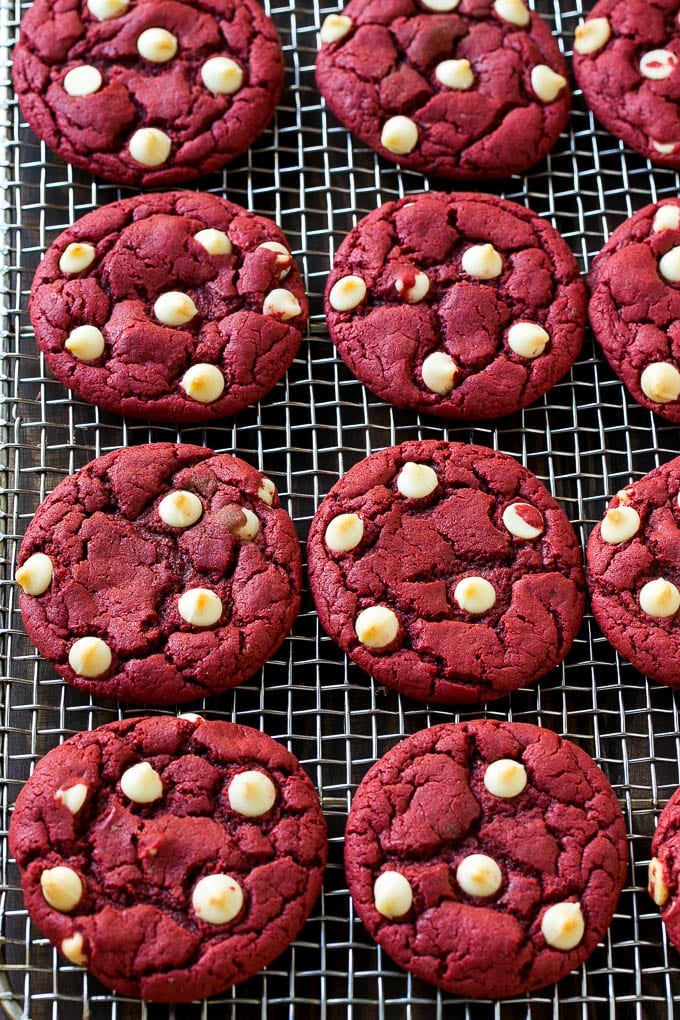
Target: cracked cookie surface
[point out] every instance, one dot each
(446, 571)
(160, 573)
(148, 93)
(121, 829)
(464, 305)
(506, 845)
(176, 307)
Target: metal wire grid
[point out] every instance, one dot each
(585, 440)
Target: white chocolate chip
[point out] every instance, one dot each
(475, 595)
(217, 899)
(527, 339)
(418, 289)
(281, 304)
(669, 265)
(661, 382)
(563, 925)
(416, 481)
(344, 532)
(73, 948)
(83, 81)
(347, 293)
(591, 36)
(250, 527)
(439, 372)
(664, 148)
(620, 523)
(35, 575)
(392, 894)
(441, 6)
(72, 797)
(667, 217)
(203, 382)
(505, 778)
(656, 885)
(334, 28)
(523, 520)
(86, 343)
(222, 76)
(174, 308)
(157, 45)
(89, 657)
(141, 783)
(658, 64)
(479, 875)
(267, 491)
(190, 716)
(200, 607)
(103, 10)
(251, 793)
(482, 261)
(512, 11)
(61, 888)
(659, 598)
(215, 242)
(546, 83)
(180, 509)
(399, 135)
(624, 496)
(376, 627)
(283, 260)
(455, 74)
(150, 146)
(76, 257)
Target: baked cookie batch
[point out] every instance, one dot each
(172, 856)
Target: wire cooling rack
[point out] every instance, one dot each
(585, 440)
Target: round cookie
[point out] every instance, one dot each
(486, 857)
(664, 867)
(148, 93)
(464, 305)
(159, 574)
(171, 857)
(175, 307)
(446, 571)
(633, 570)
(626, 61)
(634, 306)
(464, 89)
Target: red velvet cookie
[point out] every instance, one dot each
(469, 89)
(463, 305)
(148, 92)
(664, 867)
(160, 573)
(446, 571)
(176, 307)
(171, 857)
(633, 559)
(634, 307)
(486, 857)
(626, 61)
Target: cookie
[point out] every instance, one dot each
(464, 89)
(664, 867)
(633, 567)
(446, 571)
(464, 305)
(171, 857)
(148, 93)
(625, 60)
(634, 307)
(486, 857)
(175, 307)
(160, 573)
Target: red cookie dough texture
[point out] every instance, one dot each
(634, 306)
(486, 857)
(446, 571)
(159, 574)
(626, 61)
(148, 93)
(176, 307)
(140, 863)
(664, 867)
(469, 89)
(464, 306)
(633, 562)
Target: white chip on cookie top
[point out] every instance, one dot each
(416, 481)
(669, 265)
(283, 258)
(89, 657)
(200, 607)
(222, 76)
(475, 595)
(455, 74)
(82, 81)
(344, 532)
(392, 894)
(399, 135)
(505, 778)
(334, 28)
(281, 304)
(250, 527)
(663, 148)
(217, 899)
(267, 491)
(73, 948)
(104, 10)
(546, 83)
(656, 884)
(479, 875)
(157, 45)
(251, 793)
(215, 242)
(413, 290)
(527, 339)
(515, 12)
(658, 64)
(150, 146)
(347, 293)
(141, 783)
(563, 925)
(523, 520)
(591, 36)
(174, 308)
(666, 217)
(86, 343)
(619, 524)
(35, 575)
(376, 626)
(180, 509)
(441, 6)
(62, 888)
(661, 382)
(659, 598)
(439, 372)
(482, 261)
(72, 797)
(203, 382)
(76, 256)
